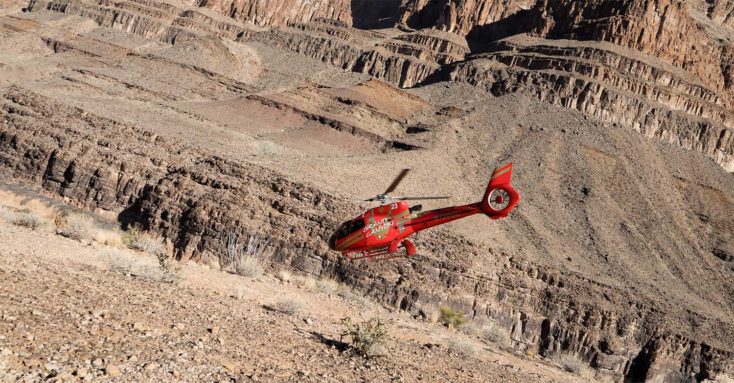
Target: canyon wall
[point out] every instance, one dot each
(630, 63)
(188, 195)
(623, 62)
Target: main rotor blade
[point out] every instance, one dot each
(397, 180)
(413, 198)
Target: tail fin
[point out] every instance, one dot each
(500, 198)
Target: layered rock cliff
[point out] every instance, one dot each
(624, 63)
(635, 68)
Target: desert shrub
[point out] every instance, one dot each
(496, 334)
(283, 276)
(365, 338)
(245, 257)
(126, 262)
(429, 313)
(250, 267)
(307, 282)
(570, 362)
(461, 346)
(327, 285)
(471, 329)
(238, 292)
(170, 270)
(23, 218)
(451, 318)
(346, 292)
(288, 306)
(107, 237)
(75, 226)
(137, 239)
(119, 260)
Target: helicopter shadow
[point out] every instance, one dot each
(337, 344)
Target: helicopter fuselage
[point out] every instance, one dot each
(381, 230)
(386, 226)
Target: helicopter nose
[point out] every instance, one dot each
(332, 242)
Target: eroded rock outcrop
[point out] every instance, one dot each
(187, 196)
(459, 16)
(641, 74)
(611, 86)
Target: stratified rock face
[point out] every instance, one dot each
(663, 68)
(604, 59)
(606, 83)
(664, 29)
(196, 200)
(281, 12)
(459, 16)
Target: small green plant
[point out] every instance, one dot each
(451, 318)
(365, 338)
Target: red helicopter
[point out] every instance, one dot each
(380, 231)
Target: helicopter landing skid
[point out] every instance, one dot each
(383, 253)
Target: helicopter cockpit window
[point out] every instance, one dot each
(349, 227)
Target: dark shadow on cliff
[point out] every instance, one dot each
(481, 37)
(640, 365)
(132, 216)
(429, 15)
(372, 14)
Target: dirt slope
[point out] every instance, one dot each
(66, 315)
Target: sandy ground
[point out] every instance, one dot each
(64, 314)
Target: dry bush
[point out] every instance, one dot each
(107, 237)
(462, 346)
(137, 239)
(120, 260)
(245, 257)
(496, 334)
(429, 313)
(78, 227)
(451, 318)
(288, 306)
(346, 292)
(570, 362)
(327, 285)
(146, 268)
(250, 267)
(23, 218)
(167, 270)
(471, 329)
(284, 276)
(238, 292)
(306, 282)
(365, 338)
